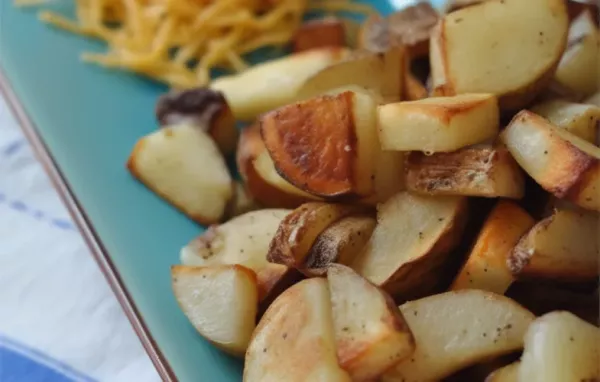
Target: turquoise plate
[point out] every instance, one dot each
(84, 120)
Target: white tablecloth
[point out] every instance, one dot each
(59, 321)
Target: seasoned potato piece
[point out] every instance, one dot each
(457, 329)
(183, 165)
(508, 373)
(340, 243)
(220, 301)
(413, 236)
(509, 48)
(562, 163)
(579, 65)
(370, 332)
(241, 202)
(486, 266)
(327, 145)
(593, 100)
(299, 230)
(578, 119)
(242, 240)
(413, 88)
(438, 124)
(294, 341)
(560, 347)
(261, 179)
(274, 83)
(389, 176)
(563, 246)
(313, 34)
(455, 5)
(201, 107)
(475, 171)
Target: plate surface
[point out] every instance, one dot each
(87, 119)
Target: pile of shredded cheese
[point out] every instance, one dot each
(178, 42)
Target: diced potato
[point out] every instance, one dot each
(562, 163)
(457, 329)
(321, 33)
(474, 171)
(183, 165)
(274, 83)
(243, 240)
(389, 176)
(370, 332)
(593, 100)
(294, 341)
(486, 266)
(509, 48)
(438, 124)
(455, 5)
(221, 302)
(508, 373)
(340, 243)
(578, 119)
(299, 230)
(579, 68)
(413, 236)
(560, 347)
(241, 201)
(327, 145)
(413, 88)
(563, 246)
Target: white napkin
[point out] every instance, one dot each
(55, 305)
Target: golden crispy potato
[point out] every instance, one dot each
(563, 246)
(299, 230)
(580, 64)
(327, 145)
(262, 181)
(473, 171)
(294, 341)
(486, 266)
(508, 373)
(509, 48)
(457, 329)
(203, 108)
(370, 332)
(562, 163)
(339, 243)
(413, 88)
(560, 347)
(220, 302)
(183, 165)
(438, 124)
(242, 240)
(578, 119)
(273, 83)
(322, 33)
(413, 236)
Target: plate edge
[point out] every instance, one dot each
(86, 229)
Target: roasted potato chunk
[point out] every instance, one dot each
(241, 202)
(220, 302)
(414, 90)
(509, 48)
(413, 236)
(562, 163)
(563, 246)
(314, 34)
(299, 230)
(438, 124)
(455, 5)
(183, 165)
(486, 266)
(274, 83)
(478, 171)
(294, 341)
(340, 243)
(370, 332)
(457, 329)
(508, 373)
(578, 119)
(327, 145)
(593, 100)
(560, 347)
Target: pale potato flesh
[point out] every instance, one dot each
(509, 48)
(183, 165)
(220, 301)
(439, 123)
(371, 334)
(273, 83)
(265, 168)
(457, 329)
(593, 100)
(578, 119)
(486, 266)
(560, 347)
(508, 373)
(294, 341)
